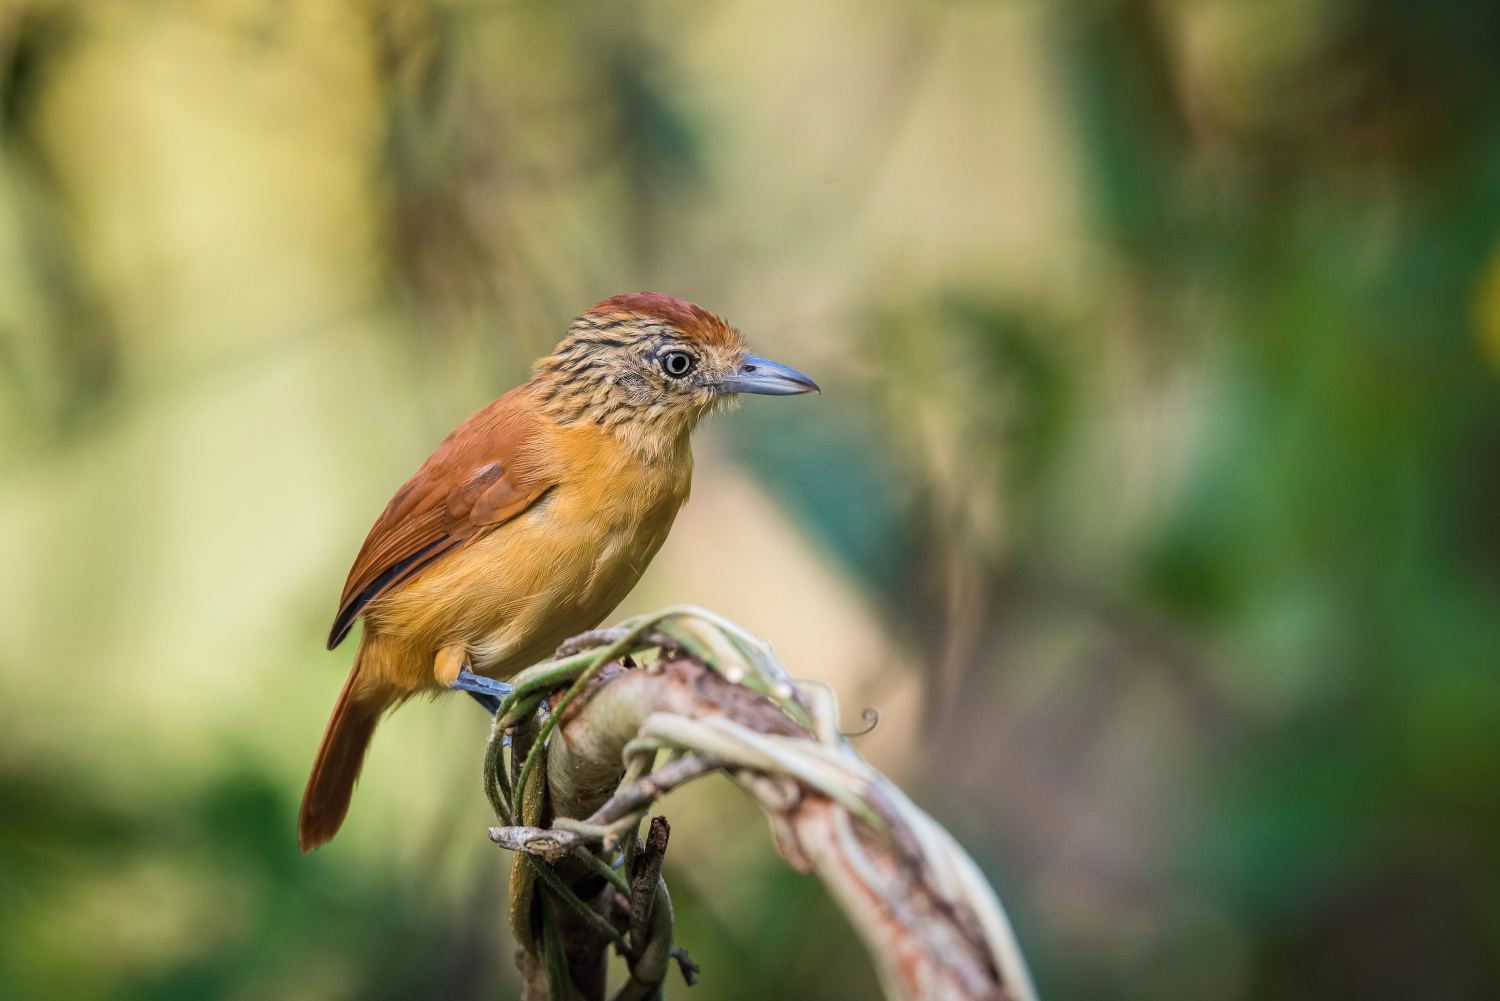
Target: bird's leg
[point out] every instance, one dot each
(450, 672)
(486, 691)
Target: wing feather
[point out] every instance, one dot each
(482, 475)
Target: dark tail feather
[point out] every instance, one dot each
(331, 783)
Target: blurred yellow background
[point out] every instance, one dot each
(1153, 496)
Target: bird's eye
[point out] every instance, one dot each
(677, 363)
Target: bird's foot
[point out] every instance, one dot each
(486, 691)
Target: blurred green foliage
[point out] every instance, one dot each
(275, 925)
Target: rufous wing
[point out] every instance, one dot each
(482, 475)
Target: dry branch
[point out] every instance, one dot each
(716, 700)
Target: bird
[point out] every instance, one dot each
(531, 521)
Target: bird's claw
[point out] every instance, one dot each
(486, 691)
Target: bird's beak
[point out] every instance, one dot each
(767, 378)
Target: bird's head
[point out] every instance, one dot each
(649, 366)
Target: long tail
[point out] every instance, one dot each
(336, 769)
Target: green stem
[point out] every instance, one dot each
(566, 895)
(690, 643)
(517, 713)
(631, 850)
(559, 979)
(541, 683)
(604, 869)
(496, 786)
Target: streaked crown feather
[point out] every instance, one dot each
(608, 369)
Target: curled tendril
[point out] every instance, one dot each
(871, 716)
